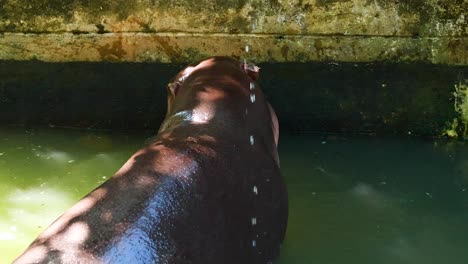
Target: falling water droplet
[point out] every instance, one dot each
(252, 98)
(255, 190)
(252, 141)
(246, 111)
(252, 85)
(254, 243)
(254, 221)
(247, 48)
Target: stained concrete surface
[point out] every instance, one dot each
(284, 31)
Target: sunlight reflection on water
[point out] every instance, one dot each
(43, 173)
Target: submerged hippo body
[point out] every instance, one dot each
(207, 189)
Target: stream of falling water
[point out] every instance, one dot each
(248, 65)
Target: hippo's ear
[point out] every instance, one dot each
(173, 88)
(252, 70)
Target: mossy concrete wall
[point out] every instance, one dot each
(432, 31)
(328, 65)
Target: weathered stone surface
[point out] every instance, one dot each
(292, 30)
(182, 48)
(342, 17)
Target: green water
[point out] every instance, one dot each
(44, 172)
(375, 200)
(353, 199)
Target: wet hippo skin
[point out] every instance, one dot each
(206, 189)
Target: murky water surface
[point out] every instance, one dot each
(352, 199)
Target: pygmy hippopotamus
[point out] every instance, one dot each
(207, 189)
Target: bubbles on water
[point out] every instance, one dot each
(364, 190)
(7, 236)
(57, 156)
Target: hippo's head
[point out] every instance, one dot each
(215, 66)
(229, 64)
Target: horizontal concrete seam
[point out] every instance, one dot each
(223, 33)
(264, 35)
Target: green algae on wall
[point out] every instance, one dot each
(458, 128)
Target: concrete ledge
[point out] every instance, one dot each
(188, 47)
(425, 18)
(433, 31)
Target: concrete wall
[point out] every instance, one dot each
(356, 76)
(416, 99)
(432, 31)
